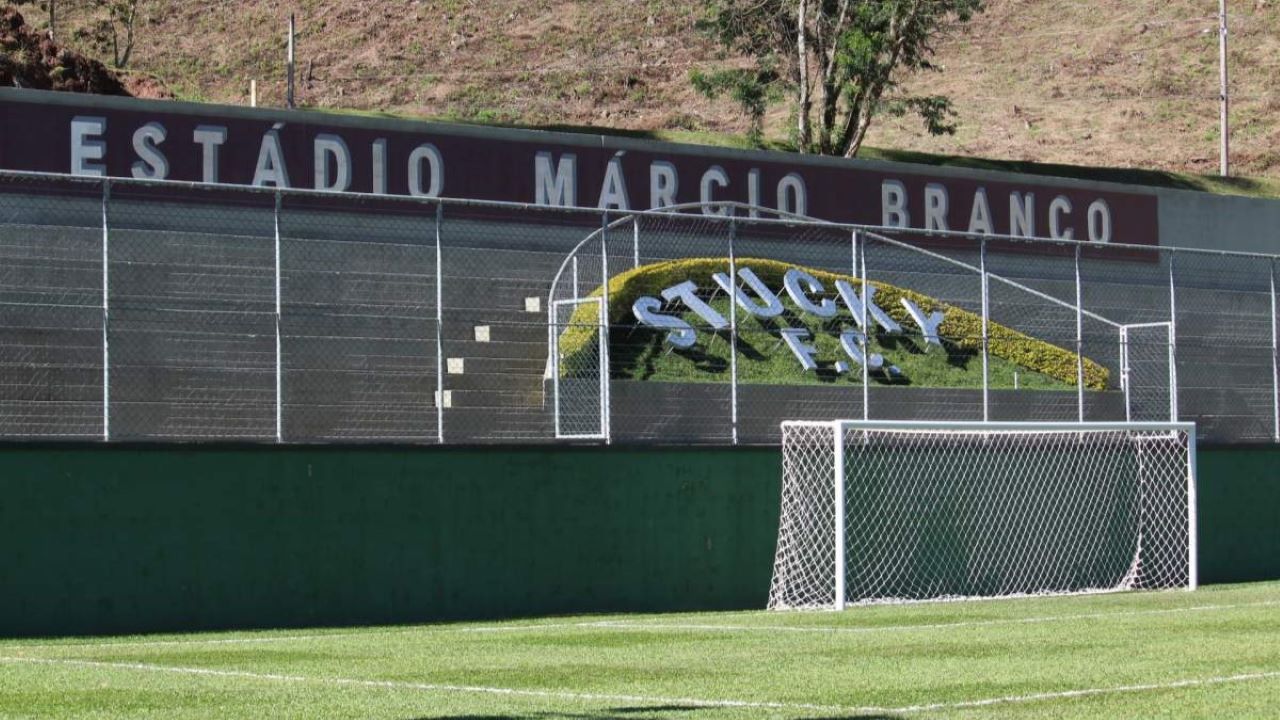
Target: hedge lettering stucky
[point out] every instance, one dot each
(806, 292)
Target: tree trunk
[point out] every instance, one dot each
(859, 134)
(804, 129)
(868, 98)
(829, 83)
(130, 21)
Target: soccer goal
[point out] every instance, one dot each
(895, 511)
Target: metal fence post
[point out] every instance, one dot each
(733, 329)
(106, 312)
(986, 318)
(1275, 360)
(837, 437)
(605, 409)
(853, 253)
(635, 241)
(439, 329)
(861, 257)
(1173, 343)
(279, 355)
(1079, 341)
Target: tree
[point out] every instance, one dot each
(113, 32)
(49, 6)
(841, 62)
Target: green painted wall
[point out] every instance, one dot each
(121, 539)
(104, 540)
(1239, 505)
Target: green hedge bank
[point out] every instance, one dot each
(960, 326)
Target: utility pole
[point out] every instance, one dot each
(1224, 91)
(289, 92)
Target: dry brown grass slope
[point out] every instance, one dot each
(1109, 82)
(1120, 83)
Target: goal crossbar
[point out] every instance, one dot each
(901, 510)
(996, 425)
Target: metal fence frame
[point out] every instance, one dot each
(859, 235)
(733, 215)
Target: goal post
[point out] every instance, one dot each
(897, 511)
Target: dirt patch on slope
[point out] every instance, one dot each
(30, 59)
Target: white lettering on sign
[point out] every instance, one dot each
(753, 191)
(556, 180)
(936, 206)
(1024, 217)
(559, 187)
(772, 303)
(714, 176)
(980, 215)
(646, 309)
(151, 164)
(271, 169)
(1099, 222)
(893, 204)
(332, 146)
(687, 292)
(852, 341)
(87, 145)
(663, 184)
(435, 165)
(792, 196)
(613, 192)
(379, 151)
(209, 138)
(928, 323)
(1022, 214)
(875, 315)
(1060, 206)
(804, 352)
(800, 286)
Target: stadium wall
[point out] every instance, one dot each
(139, 539)
(39, 132)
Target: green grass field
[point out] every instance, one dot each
(1213, 653)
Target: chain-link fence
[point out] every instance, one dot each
(152, 311)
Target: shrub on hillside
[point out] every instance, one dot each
(30, 59)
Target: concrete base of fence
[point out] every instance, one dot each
(654, 411)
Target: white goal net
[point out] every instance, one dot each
(883, 511)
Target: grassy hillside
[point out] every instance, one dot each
(1117, 83)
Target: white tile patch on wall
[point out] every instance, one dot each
(457, 366)
(482, 333)
(533, 304)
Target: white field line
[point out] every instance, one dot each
(658, 626)
(1090, 692)
(430, 687)
(652, 699)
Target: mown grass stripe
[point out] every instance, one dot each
(656, 626)
(431, 687)
(661, 700)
